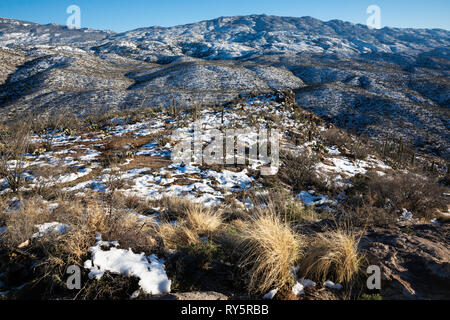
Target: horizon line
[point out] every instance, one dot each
(237, 16)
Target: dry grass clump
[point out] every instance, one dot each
(174, 236)
(201, 220)
(194, 221)
(174, 208)
(132, 202)
(52, 253)
(85, 220)
(3, 206)
(130, 231)
(270, 249)
(281, 203)
(332, 256)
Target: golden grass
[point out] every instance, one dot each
(174, 236)
(270, 250)
(3, 206)
(174, 208)
(201, 220)
(193, 221)
(281, 203)
(85, 218)
(332, 256)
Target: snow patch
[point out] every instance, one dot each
(49, 227)
(149, 269)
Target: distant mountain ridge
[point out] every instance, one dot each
(235, 37)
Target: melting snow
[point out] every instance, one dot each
(149, 269)
(46, 228)
(309, 199)
(270, 295)
(299, 287)
(332, 285)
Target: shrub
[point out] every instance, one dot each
(14, 144)
(417, 193)
(299, 171)
(335, 137)
(366, 214)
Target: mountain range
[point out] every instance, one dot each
(391, 83)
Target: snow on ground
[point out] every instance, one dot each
(339, 168)
(310, 199)
(332, 285)
(50, 227)
(80, 155)
(406, 217)
(271, 294)
(74, 176)
(299, 288)
(149, 269)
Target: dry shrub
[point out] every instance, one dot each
(21, 223)
(14, 144)
(46, 183)
(358, 150)
(269, 249)
(365, 214)
(419, 194)
(299, 171)
(335, 137)
(331, 256)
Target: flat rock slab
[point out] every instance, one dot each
(415, 263)
(202, 296)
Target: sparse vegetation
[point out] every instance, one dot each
(247, 238)
(14, 144)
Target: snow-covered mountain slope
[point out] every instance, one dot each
(21, 33)
(238, 37)
(390, 82)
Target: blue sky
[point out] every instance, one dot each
(119, 15)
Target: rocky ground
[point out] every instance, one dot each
(98, 192)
